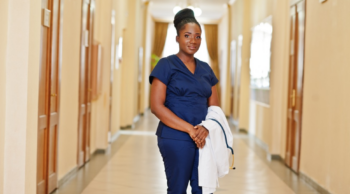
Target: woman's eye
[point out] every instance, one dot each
(198, 37)
(186, 36)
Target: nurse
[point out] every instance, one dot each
(182, 89)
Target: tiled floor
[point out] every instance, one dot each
(137, 168)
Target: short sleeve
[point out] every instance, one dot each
(161, 71)
(213, 80)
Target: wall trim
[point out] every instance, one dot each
(241, 130)
(99, 151)
(126, 127)
(276, 157)
(261, 143)
(313, 183)
(136, 118)
(234, 122)
(66, 177)
(115, 136)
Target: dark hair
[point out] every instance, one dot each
(183, 17)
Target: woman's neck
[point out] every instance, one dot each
(185, 57)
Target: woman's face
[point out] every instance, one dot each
(189, 38)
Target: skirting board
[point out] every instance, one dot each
(66, 177)
(115, 136)
(126, 127)
(276, 157)
(135, 120)
(313, 184)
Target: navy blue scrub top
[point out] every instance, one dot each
(186, 94)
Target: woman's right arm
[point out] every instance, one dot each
(158, 95)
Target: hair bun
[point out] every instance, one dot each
(183, 14)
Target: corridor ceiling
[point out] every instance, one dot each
(212, 10)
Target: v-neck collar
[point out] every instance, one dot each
(196, 62)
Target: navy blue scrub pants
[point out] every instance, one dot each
(181, 165)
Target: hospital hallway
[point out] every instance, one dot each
(76, 101)
(134, 165)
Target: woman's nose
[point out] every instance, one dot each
(193, 40)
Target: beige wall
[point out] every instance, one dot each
(244, 94)
(148, 44)
(120, 25)
(240, 25)
(236, 30)
(19, 69)
(100, 107)
(3, 45)
(33, 95)
(279, 77)
(69, 97)
(147, 57)
(325, 142)
(223, 40)
(267, 122)
(132, 42)
(260, 114)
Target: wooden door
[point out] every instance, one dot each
(48, 97)
(85, 83)
(295, 88)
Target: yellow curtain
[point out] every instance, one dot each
(211, 33)
(160, 31)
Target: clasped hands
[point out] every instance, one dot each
(198, 134)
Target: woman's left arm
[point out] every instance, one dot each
(213, 100)
(202, 132)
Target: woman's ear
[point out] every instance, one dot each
(177, 38)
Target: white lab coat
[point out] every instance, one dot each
(214, 156)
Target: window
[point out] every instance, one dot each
(260, 56)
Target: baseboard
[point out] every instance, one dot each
(115, 136)
(313, 184)
(99, 151)
(126, 127)
(276, 157)
(66, 177)
(137, 118)
(234, 122)
(262, 144)
(243, 131)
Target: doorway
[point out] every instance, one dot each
(49, 94)
(295, 87)
(85, 86)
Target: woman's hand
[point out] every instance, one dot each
(192, 132)
(200, 134)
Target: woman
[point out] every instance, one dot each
(182, 89)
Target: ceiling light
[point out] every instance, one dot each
(190, 7)
(176, 9)
(197, 11)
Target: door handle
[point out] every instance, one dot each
(293, 98)
(53, 95)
